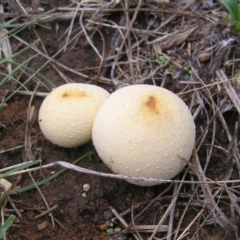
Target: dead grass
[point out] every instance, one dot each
(201, 57)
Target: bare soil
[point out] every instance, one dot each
(191, 60)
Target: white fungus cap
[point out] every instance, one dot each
(144, 131)
(66, 115)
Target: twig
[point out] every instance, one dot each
(147, 228)
(134, 226)
(46, 212)
(9, 150)
(172, 214)
(122, 221)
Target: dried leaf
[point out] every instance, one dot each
(229, 89)
(175, 39)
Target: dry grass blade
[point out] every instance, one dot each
(17, 6)
(29, 156)
(129, 29)
(5, 45)
(184, 233)
(218, 215)
(169, 211)
(165, 215)
(147, 228)
(230, 90)
(46, 212)
(52, 60)
(173, 39)
(10, 149)
(136, 233)
(6, 185)
(123, 222)
(122, 177)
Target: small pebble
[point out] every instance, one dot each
(42, 226)
(103, 226)
(17, 220)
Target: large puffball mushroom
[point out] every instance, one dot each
(144, 131)
(66, 115)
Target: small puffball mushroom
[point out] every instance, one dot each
(86, 187)
(66, 115)
(144, 131)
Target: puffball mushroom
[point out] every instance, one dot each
(144, 131)
(66, 115)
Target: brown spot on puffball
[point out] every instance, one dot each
(157, 106)
(74, 94)
(151, 104)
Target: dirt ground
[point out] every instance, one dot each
(202, 44)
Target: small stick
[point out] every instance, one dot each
(171, 214)
(114, 211)
(31, 93)
(46, 212)
(9, 150)
(147, 228)
(134, 226)
(14, 207)
(164, 217)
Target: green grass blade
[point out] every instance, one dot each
(40, 183)
(232, 7)
(26, 69)
(9, 77)
(46, 180)
(238, 15)
(33, 71)
(17, 68)
(8, 60)
(5, 60)
(20, 25)
(6, 225)
(3, 106)
(25, 165)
